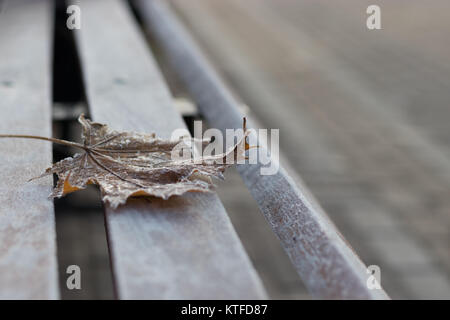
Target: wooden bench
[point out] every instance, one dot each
(181, 248)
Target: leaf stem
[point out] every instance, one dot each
(57, 141)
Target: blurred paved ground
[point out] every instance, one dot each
(364, 118)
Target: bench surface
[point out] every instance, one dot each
(28, 265)
(184, 247)
(322, 257)
(181, 248)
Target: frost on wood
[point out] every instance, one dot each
(126, 164)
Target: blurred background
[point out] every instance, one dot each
(364, 120)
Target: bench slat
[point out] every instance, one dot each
(324, 260)
(28, 264)
(184, 247)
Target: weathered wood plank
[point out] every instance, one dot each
(28, 264)
(181, 248)
(323, 259)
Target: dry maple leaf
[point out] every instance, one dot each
(126, 164)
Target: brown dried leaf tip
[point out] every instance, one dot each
(126, 164)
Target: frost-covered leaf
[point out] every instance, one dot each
(126, 164)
